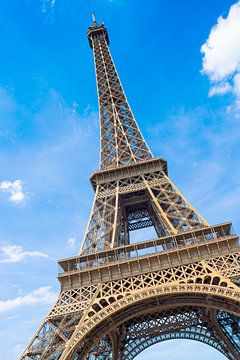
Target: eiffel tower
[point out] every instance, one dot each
(119, 297)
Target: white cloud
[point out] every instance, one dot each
(74, 106)
(237, 84)
(15, 253)
(15, 189)
(221, 60)
(71, 242)
(47, 6)
(43, 295)
(220, 89)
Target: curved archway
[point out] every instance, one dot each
(185, 322)
(204, 297)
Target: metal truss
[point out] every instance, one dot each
(151, 199)
(113, 305)
(118, 298)
(121, 140)
(230, 325)
(149, 328)
(178, 323)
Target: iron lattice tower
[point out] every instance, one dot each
(117, 297)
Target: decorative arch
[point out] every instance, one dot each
(104, 315)
(185, 322)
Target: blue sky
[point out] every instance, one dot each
(179, 64)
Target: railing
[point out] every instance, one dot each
(150, 247)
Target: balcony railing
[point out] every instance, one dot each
(133, 251)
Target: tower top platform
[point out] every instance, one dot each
(97, 30)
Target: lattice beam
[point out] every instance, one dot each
(121, 140)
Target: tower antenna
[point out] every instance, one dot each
(94, 18)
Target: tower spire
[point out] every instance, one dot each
(121, 140)
(94, 19)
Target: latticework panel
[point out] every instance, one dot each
(51, 338)
(129, 338)
(230, 325)
(150, 328)
(74, 300)
(196, 278)
(78, 312)
(121, 140)
(101, 351)
(59, 325)
(137, 202)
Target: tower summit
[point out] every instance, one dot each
(119, 297)
(95, 28)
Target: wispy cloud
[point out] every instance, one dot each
(15, 190)
(71, 242)
(220, 89)
(60, 151)
(47, 4)
(43, 295)
(48, 9)
(221, 54)
(15, 254)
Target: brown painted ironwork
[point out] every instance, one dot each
(119, 297)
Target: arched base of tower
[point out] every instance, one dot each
(124, 335)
